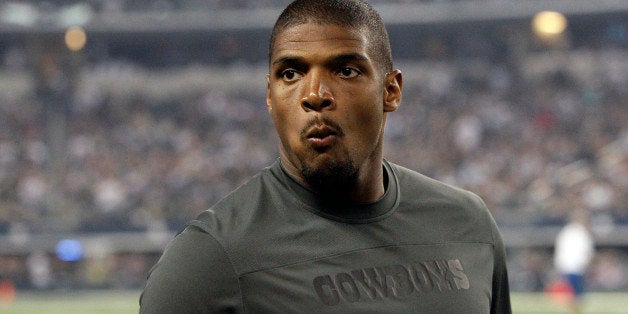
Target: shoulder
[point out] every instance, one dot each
(419, 186)
(193, 273)
(197, 271)
(251, 212)
(461, 214)
(238, 210)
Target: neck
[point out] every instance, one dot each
(366, 185)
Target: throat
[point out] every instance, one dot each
(344, 185)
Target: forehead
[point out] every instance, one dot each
(313, 38)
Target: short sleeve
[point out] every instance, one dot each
(194, 275)
(500, 292)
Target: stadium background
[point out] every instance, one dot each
(107, 146)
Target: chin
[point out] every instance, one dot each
(330, 177)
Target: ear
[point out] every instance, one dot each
(269, 103)
(392, 90)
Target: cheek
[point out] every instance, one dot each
(286, 121)
(367, 114)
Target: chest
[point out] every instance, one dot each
(417, 278)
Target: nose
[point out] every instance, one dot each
(319, 96)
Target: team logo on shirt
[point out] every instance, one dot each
(391, 281)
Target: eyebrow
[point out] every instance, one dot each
(289, 60)
(330, 62)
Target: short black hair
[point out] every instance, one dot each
(355, 14)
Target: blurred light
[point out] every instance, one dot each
(549, 24)
(78, 14)
(22, 14)
(75, 38)
(69, 250)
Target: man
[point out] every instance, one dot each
(332, 226)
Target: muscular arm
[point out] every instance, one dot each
(194, 275)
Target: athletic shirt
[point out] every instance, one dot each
(273, 246)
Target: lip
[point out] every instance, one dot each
(321, 142)
(321, 136)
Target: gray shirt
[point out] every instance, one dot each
(274, 246)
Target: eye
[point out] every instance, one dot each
(290, 75)
(348, 72)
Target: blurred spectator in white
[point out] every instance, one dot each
(574, 251)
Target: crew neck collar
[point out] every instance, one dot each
(357, 213)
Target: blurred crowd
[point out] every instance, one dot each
(535, 145)
(130, 164)
(537, 138)
(536, 142)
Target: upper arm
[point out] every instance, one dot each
(500, 292)
(500, 302)
(194, 274)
